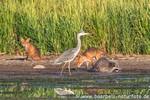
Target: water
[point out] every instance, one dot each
(93, 85)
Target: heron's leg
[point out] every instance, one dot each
(69, 68)
(63, 68)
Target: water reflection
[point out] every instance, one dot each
(84, 86)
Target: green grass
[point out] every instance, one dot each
(41, 92)
(120, 26)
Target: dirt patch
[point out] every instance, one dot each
(16, 66)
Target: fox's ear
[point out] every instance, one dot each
(28, 39)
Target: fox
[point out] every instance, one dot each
(90, 55)
(82, 59)
(31, 51)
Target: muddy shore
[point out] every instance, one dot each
(15, 66)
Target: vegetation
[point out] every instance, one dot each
(120, 26)
(45, 92)
(135, 86)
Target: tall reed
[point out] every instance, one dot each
(120, 26)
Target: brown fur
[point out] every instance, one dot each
(81, 59)
(30, 49)
(89, 56)
(94, 52)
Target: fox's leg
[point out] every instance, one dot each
(87, 64)
(81, 64)
(26, 58)
(78, 66)
(26, 55)
(93, 60)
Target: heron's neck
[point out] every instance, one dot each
(79, 42)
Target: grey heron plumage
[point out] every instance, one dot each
(70, 54)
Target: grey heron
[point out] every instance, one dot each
(70, 54)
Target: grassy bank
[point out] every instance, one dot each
(120, 26)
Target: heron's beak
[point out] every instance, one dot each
(82, 33)
(86, 34)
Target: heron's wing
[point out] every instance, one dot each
(67, 55)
